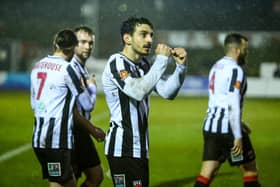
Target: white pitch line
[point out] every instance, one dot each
(15, 152)
(12, 153)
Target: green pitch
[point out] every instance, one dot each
(175, 141)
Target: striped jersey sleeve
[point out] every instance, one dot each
(87, 97)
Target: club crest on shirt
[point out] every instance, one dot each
(54, 169)
(124, 74)
(137, 183)
(119, 180)
(237, 84)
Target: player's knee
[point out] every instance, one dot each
(249, 167)
(96, 178)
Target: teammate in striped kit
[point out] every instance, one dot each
(128, 79)
(54, 90)
(86, 158)
(224, 135)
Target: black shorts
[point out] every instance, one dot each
(84, 154)
(129, 172)
(218, 147)
(56, 164)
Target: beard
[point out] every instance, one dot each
(83, 56)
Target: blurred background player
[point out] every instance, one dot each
(128, 79)
(224, 136)
(86, 158)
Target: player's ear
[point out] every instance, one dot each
(127, 39)
(238, 51)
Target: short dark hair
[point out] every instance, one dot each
(128, 26)
(234, 38)
(65, 39)
(84, 28)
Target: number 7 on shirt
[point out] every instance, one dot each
(42, 76)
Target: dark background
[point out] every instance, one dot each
(34, 22)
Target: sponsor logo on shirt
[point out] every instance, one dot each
(124, 74)
(237, 84)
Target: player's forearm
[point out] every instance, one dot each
(97, 133)
(235, 121)
(87, 100)
(92, 92)
(138, 88)
(169, 88)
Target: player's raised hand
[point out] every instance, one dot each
(179, 55)
(163, 49)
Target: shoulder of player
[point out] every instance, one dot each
(118, 61)
(51, 63)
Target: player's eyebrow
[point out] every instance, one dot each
(84, 41)
(146, 32)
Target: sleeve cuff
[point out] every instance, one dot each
(92, 88)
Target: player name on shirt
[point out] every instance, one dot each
(48, 66)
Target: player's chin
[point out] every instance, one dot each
(145, 51)
(86, 55)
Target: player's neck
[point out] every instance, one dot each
(82, 62)
(134, 57)
(61, 54)
(233, 56)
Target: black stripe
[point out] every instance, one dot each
(243, 90)
(50, 133)
(64, 122)
(115, 73)
(127, 145)
(35, 127)
(219, 122)
(41, 122)
(233, 80)
(74, 78)
(112, 139)
(145, 65)
(82, 72)
(212, 118)
(142, 125)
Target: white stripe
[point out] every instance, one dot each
(10, 154)
(15, 152)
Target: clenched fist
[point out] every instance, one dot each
(179, 55)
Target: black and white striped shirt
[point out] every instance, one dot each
(88, 97)
(127, 86)
(54, 87)
(226, 90)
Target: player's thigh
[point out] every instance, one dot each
(248, 149)
(216, 146)
(129, 171)
(56, 164)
